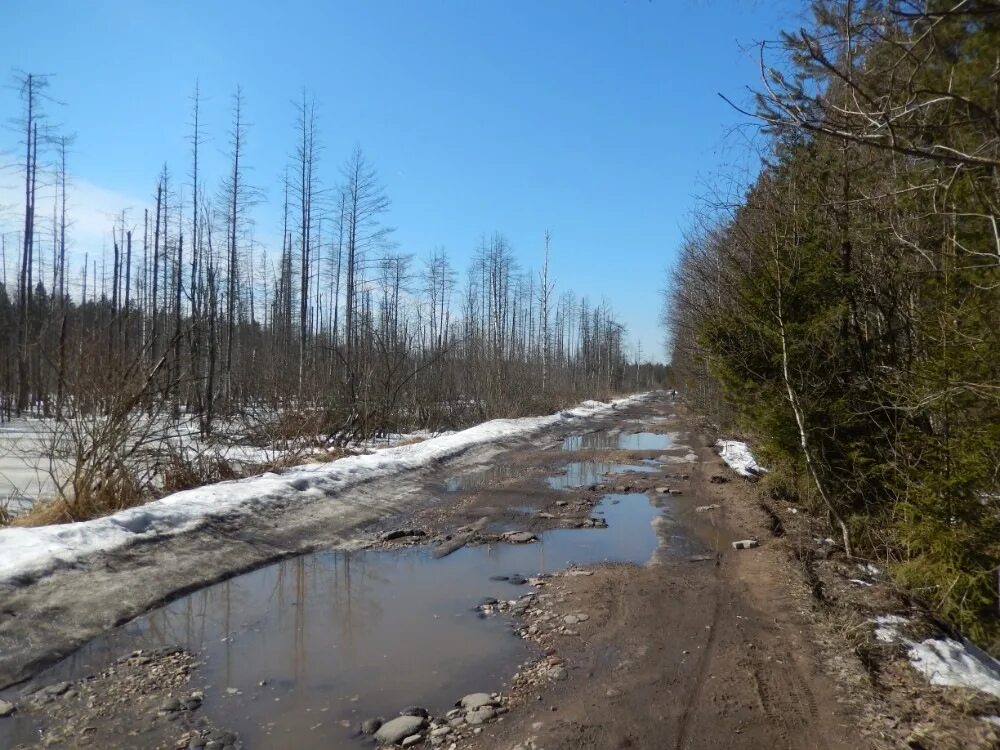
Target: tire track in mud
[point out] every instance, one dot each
(695, 696)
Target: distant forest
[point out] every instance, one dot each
(186, 313)
(845, 309)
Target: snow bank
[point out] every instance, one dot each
(36, 551)
(945, 661)
(739, 458)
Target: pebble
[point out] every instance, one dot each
(413, 739)
(557, 673)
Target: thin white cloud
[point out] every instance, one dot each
(91, 210)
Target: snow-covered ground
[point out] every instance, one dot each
(28, 473)
(739, 457)
(944, 661)
(35, 551)
(25, 471)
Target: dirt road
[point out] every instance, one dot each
(703, 646)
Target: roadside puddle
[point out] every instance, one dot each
(298, 653)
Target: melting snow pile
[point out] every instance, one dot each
(739, 458)
(34, 551)
(945, 661)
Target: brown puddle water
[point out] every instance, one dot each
(342, 636)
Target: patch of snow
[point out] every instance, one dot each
(26, 552)
(886, 629)
(944, 661)
(871, 570)
(739, 458)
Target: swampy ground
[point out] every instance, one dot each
(583, 579)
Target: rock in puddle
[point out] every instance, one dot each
(517, 580)
(6, 709)
(519, 537)
(398, 729)
(370, 726)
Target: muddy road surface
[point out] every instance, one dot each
(578, 589)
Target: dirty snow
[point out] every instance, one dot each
(944, 661)
(26, 552)
(740, 459)
(886, 630)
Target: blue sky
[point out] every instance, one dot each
(599, 121)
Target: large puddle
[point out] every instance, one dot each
(294, 649)
(583, 473)
(630, 441)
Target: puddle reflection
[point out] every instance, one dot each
(346, 635)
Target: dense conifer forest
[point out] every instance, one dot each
(845, 309)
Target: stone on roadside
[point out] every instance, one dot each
(420, 711)
(476, 700)
(401, 534)
(746, 544)
(557, 673)
(480, 715)
(703, 508)
(395, 730)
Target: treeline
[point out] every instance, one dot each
(846, 308)
(188, 312)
